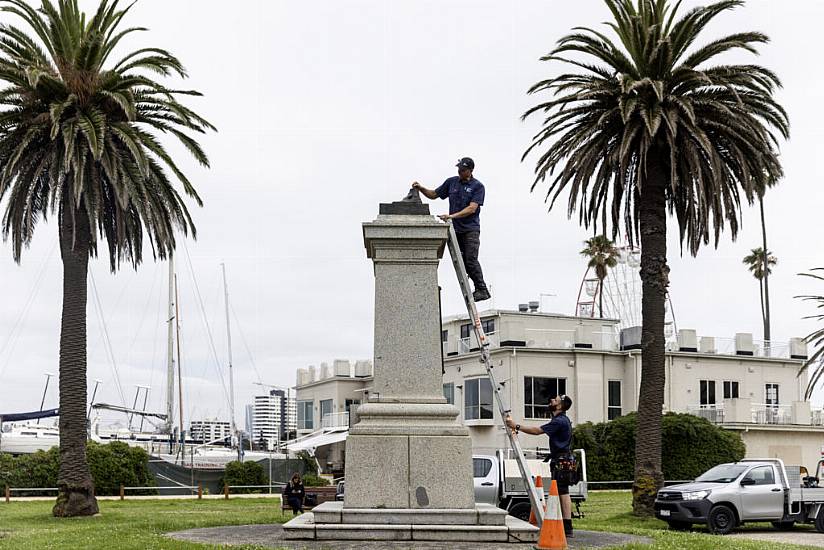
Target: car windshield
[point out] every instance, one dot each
(725, 473)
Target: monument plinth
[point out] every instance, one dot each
(408, 460)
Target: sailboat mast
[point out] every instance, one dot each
(170, 351)
(229, 346)
(179, 374)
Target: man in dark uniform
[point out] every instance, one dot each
(559, 430)
(466, 196)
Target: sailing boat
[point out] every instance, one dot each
(207, 455)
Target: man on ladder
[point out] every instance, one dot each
(466, 196)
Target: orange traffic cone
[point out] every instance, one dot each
(552, 535)
(539, 484)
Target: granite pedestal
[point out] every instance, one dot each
(408, 460)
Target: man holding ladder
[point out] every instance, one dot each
(559, 430)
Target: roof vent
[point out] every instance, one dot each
(533, 306)
(523, 308)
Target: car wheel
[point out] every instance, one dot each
(521, 511)
(679, 525)
(819, 521)
(721, 520)
(783, 525)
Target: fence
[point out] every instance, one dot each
(196, 490)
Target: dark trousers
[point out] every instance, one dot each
(470, 243)
(296, 503)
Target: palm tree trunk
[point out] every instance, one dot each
(654, 279)
(76, 489)
(767, 336)
(601, 297)
(761, 293)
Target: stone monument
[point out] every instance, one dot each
(408, 460)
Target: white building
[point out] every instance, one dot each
(210, 430)
(737, 383)
(273, 418)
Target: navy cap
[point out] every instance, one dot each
(466, 162)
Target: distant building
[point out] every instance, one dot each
(209, 430)
(249, 419)
(737, 383)
(273, 418)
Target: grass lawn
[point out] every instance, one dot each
(140, 524)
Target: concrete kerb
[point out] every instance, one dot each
(271, 536)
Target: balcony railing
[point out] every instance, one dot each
(465, 345)
(761, 348)
(550, 338)
(772, 414)
(335, 420)
(713, 413)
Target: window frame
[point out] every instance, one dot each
(611, 407)
(704, 395)
(301, 407)
(450, 396)
(727, 389)
(481, 410)
(529, 395)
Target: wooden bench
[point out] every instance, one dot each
(323, 494)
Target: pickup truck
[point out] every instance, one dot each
(498, 481)
(728, 495)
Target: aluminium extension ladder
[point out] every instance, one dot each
(536, 497)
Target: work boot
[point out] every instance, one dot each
(480, 295)
(568, 528)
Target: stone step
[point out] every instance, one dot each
(303, 527)
(335, 513)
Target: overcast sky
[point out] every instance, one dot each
(327, 108)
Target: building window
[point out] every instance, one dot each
(771, 394)
(613, 399)
(349, 403)
(488, 326)
(730, 389)
(477, 399)
(305, 415)
(465, 330)
(538, 392)
(444, 335)
(707, 392)
(449, 393)
(325, 409)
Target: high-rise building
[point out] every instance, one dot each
(210, 430)
(274, 416)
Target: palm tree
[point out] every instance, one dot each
(602, 256)
(767, 273)
(760, 263)
(77, 140)
(643, 125)
(816, 338)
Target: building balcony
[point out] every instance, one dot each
(335, 420)
(743, 411)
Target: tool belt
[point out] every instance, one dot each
(564, 469)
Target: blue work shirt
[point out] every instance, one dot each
(460, 194)
(559, 430)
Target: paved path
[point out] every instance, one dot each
(271, 536)
(804, 537)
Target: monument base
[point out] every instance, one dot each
(484, 523)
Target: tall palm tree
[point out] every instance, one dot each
(645, 125)
(760, 263)
(815, 338)
(603, 255)
(77, 140)
(767, 273)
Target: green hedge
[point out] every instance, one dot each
(691, 445)
(111, 465)
(244, 473)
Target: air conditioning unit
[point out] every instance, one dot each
(743, 344)
(687, 340)
(798, 348)
(325, 371)
(363, 369)
(631, 338)
(313, 374)
(707, 345)
(342, 367)
(303, 377)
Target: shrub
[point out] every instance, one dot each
(312, 480)
(111, 465)
(244, 473)
(691, 445)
